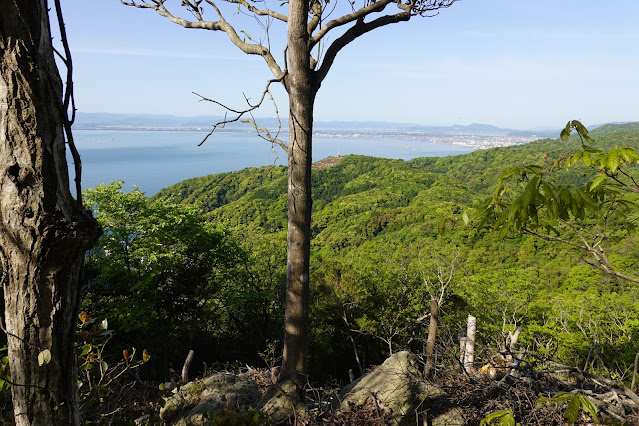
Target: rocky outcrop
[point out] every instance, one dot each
(197, 400)
(282, 404)
(398, 388)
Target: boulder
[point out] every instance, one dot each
(400, 390)
(197, 400)
(282, 404)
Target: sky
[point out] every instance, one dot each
(521, 64)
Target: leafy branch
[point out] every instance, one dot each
(533, 200)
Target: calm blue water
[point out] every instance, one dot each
(153, 160)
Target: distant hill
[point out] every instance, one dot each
(609, 128)
(151, 121)
(349, 192)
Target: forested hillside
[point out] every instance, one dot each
(379, 255)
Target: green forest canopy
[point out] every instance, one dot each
(378, 256)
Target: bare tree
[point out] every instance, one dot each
(306, 60)
(44, 231)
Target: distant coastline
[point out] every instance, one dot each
(475, 136)
(469, 140)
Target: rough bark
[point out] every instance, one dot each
(44, 232)
(301, 91)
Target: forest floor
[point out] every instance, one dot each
(571, 397)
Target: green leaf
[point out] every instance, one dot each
(85, 350)
(589, 407)
(580, 128)
(565, 133)
(465, 218)
(504, 417)
(572, 410)
(597, 182)
(101, 391)
(613, 161)
(44, 357)
(574, 158)
(541, 401)
(508, 173)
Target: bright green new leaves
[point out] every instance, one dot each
(550, 203)
(500, 418)
(574, 403)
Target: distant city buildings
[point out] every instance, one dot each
(476, 141)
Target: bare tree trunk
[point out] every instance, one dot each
(347, 327)
(186, 366)
(513, 337)
(432, 335)
(469, 354)
(462, 349)
(44, 232)
(301, 91)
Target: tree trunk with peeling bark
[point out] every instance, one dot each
(44, 231)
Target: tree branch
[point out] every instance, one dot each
(220, 25)
(260, 12)
(596, 251)
(351, 34)
(343, 20)
(69, 101)
(262, 132)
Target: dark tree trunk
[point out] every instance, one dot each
(301, 91)
(44, 232)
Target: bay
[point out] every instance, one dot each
(153, 160)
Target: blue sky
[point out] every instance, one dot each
(523, 64)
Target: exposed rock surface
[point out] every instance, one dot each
(195, 400)
(399, 388)
(282, 403)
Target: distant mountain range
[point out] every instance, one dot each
(160, 122)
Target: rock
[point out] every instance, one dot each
(282, 404)
(399, 385)
(196, 400)
(452, 417)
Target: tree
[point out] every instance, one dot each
(160, 272)
(44, 231)
(302, 73)
(584, 216)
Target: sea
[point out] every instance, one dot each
(152, 160)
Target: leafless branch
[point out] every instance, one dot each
(260, 12)
(351, 34)
(69, 101)
(261, 131)
(346, 19)
(596, 250)
(220, 25)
